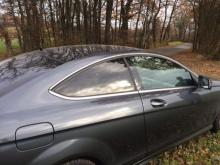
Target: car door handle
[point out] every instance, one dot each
(158, 103)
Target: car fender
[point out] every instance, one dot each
(75, 148)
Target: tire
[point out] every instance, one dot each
(216, 125)
(80, 162)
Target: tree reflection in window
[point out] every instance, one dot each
(104, 78)
(157, 73)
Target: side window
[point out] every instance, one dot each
(158, 73)
(103, 78)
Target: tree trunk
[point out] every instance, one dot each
(116, 20)
(167, 30)
(138, 18)
(108, 21)
(125, 9)
(154, 28)
(52, 22)
(207, 36)
(95, 22)
(99, 22)
(85, 19)
(17, 25)
(164, 21)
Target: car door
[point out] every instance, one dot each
(174, 108)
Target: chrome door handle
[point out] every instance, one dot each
(158, 103)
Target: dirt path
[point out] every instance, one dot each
(168, 51)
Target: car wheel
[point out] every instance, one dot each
(216, 125)
(80, 162)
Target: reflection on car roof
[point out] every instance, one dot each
(52, 57)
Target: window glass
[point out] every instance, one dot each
(104, 78)
(157, 73)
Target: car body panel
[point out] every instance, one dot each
(186, 112)
(127, 110)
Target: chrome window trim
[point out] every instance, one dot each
(121, 93)
(93, 97)
(166, 89)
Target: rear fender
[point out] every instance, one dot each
(75, 148)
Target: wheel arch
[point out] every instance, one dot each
(84, 157)
(71, 149)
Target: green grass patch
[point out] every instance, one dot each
(175, 43)
(3, 50)
(15, 44)
(2, 46)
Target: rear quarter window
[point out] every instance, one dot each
(103, 78)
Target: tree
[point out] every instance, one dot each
(138, 18)
(183, 21)
(167, 30)
(125, 16)
(149, 23)
(207, 28)
(108, 21)
(6, 37)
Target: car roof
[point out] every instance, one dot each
(25, 67)
(51, 58)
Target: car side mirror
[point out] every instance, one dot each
(204, 82)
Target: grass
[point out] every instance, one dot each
(3, 51)
(175, 43)
(205, 149)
